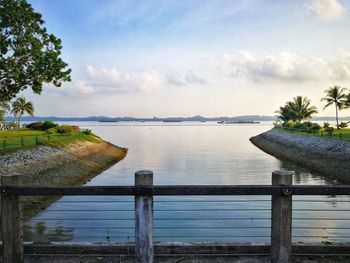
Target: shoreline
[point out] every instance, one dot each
(73, 165)
(326, 157)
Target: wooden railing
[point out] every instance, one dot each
(281, 192)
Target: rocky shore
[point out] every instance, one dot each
(327, 157)
(69, 166)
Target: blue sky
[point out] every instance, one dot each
(182, 58)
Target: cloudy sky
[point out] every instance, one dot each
(189, 57)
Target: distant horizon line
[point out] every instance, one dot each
(190, 118)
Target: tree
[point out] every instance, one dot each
(29, 55)
(335, 95)
(285, 114)
(4, 107)
(300, 107)
(21, 106)
(296, 110)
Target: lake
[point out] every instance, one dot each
(190, 153)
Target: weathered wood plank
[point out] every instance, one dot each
(11, 219)
(281, 225)
(144, 220)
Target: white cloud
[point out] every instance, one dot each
(327, 9)
(287, 67)
(82, 88)
(115, 80)
(189, 77)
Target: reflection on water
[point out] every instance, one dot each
(40, 232)
(192, 153)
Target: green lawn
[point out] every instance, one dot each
(341, 134)
(10, 140)
(11, 134)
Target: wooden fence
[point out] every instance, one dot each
(281, 192)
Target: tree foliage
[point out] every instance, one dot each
(296, 110)
(21, 106)
(29, 55)
(335, 95)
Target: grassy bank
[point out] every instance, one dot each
(11, 140)
(341, 134)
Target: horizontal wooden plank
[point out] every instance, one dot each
(180, 190)
(185, 248)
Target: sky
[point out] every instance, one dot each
(188, 57)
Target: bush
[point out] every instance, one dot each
(35, 125)
(343, 124)
(288, 124)
(75, 128)
(326, 125)
(51, 131)
(300, 126)
(308, 124)
(65, 129)
(48, 125)
(315, 127)
(87, 132)
(329, 130)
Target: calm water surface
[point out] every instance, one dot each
(190, 153)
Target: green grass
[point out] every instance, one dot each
(12, 140)
(16, 134)
(341, 134)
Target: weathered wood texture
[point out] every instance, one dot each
(281, 225)
(179, 190)
(11, 220)
(144, 219)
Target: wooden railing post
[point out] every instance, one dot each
(144, 220)
(12, 225)
(281, 225)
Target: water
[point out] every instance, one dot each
(189, 153)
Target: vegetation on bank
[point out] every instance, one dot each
(44, 133)
(300, 108)
(330, 133)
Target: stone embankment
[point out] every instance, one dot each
(69, 166)
(327, 157)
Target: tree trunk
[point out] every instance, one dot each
(336, 115)
(19, 122)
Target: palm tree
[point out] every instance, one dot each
(21, 106)
(300, 106)
(4, 107)
(285, 114)
(296, 110)
(335, 95)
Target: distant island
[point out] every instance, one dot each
(197, 118)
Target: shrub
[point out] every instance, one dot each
(315, 127)
(35, 125)
(300, 126)
(329, 130)
(65, 129)
(308, 124)
(343, 124)
(288, 124)
(75, 128)
(48, 125)
(51, 131)
(326, 125)
(87, 132)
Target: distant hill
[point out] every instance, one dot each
(177, 119)
(169, 119)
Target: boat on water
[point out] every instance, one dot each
(238, 122)
(107, 121)
(172, 121)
